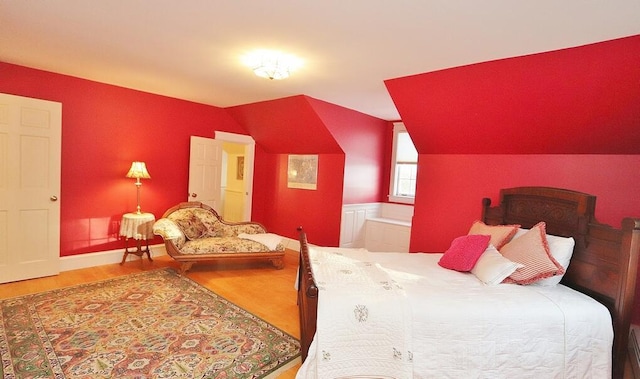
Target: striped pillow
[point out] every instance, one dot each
(532, 251)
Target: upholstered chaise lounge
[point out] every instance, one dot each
(194, 232)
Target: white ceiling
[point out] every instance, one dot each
(191, 49)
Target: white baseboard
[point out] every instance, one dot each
(100, 258)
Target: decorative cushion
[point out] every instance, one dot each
(214, 227)
(189, 223)
(561, 249)
(500, 234)
(531, 250)
(464, 252)
(492, 268)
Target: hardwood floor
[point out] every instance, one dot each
(255, 286)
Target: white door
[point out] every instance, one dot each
(205, 171)
(30, 148)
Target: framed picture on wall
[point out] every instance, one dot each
(302, 172)
(240, 168)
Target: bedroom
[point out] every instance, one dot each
(106, 127)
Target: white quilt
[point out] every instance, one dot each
(448, 324)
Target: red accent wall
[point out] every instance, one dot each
(364, 139)
(104, 129)
(451, 188)
(283, 209)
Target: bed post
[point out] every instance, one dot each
(629, 252)
(307, 297)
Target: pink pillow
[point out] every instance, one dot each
(531, 250)
(500, 234)
(464, 252)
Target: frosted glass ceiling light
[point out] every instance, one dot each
(271, 64)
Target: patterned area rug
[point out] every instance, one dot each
(155, 324)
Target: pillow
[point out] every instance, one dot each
(532, 251)
(500, 234)
(464, 252)
(492, 268)
(189, 223)
(561, 249)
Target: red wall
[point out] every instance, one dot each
(451, 187)
(104, 129)
(364, 139)
(283, 209)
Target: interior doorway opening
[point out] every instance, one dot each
(236, 175)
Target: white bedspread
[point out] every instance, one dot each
(455, 326)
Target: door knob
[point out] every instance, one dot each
(53, 198)
(194, 195)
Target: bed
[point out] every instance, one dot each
(585, 331)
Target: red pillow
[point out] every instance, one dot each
(464, 252)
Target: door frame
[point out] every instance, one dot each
(249, 157)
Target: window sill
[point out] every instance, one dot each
(401, 199)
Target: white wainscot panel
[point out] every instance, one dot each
(352, 227)
(387, 235)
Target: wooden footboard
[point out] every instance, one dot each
(307, 297)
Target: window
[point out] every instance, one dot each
(404, 166)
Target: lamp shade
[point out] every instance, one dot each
(138, 170)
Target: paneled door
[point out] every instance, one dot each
(205, 163)
(30, 148)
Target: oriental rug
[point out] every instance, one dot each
(155, 324)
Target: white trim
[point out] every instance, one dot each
(397, 128)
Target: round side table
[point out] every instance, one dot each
(138, 226)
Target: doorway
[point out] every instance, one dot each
(237, 182)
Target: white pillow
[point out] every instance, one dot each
(561, 248)
(492, 268)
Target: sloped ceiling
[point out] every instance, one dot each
(286, 126)
(583, 100)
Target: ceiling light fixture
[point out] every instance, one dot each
(272, 64)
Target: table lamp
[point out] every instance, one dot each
(139, 171)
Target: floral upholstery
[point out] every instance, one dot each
(200, 231)
(211, 245)
(169, 231)
(190, 224)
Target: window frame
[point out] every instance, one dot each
(398, 127)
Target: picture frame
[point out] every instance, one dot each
(302, 172)
(240, 168)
